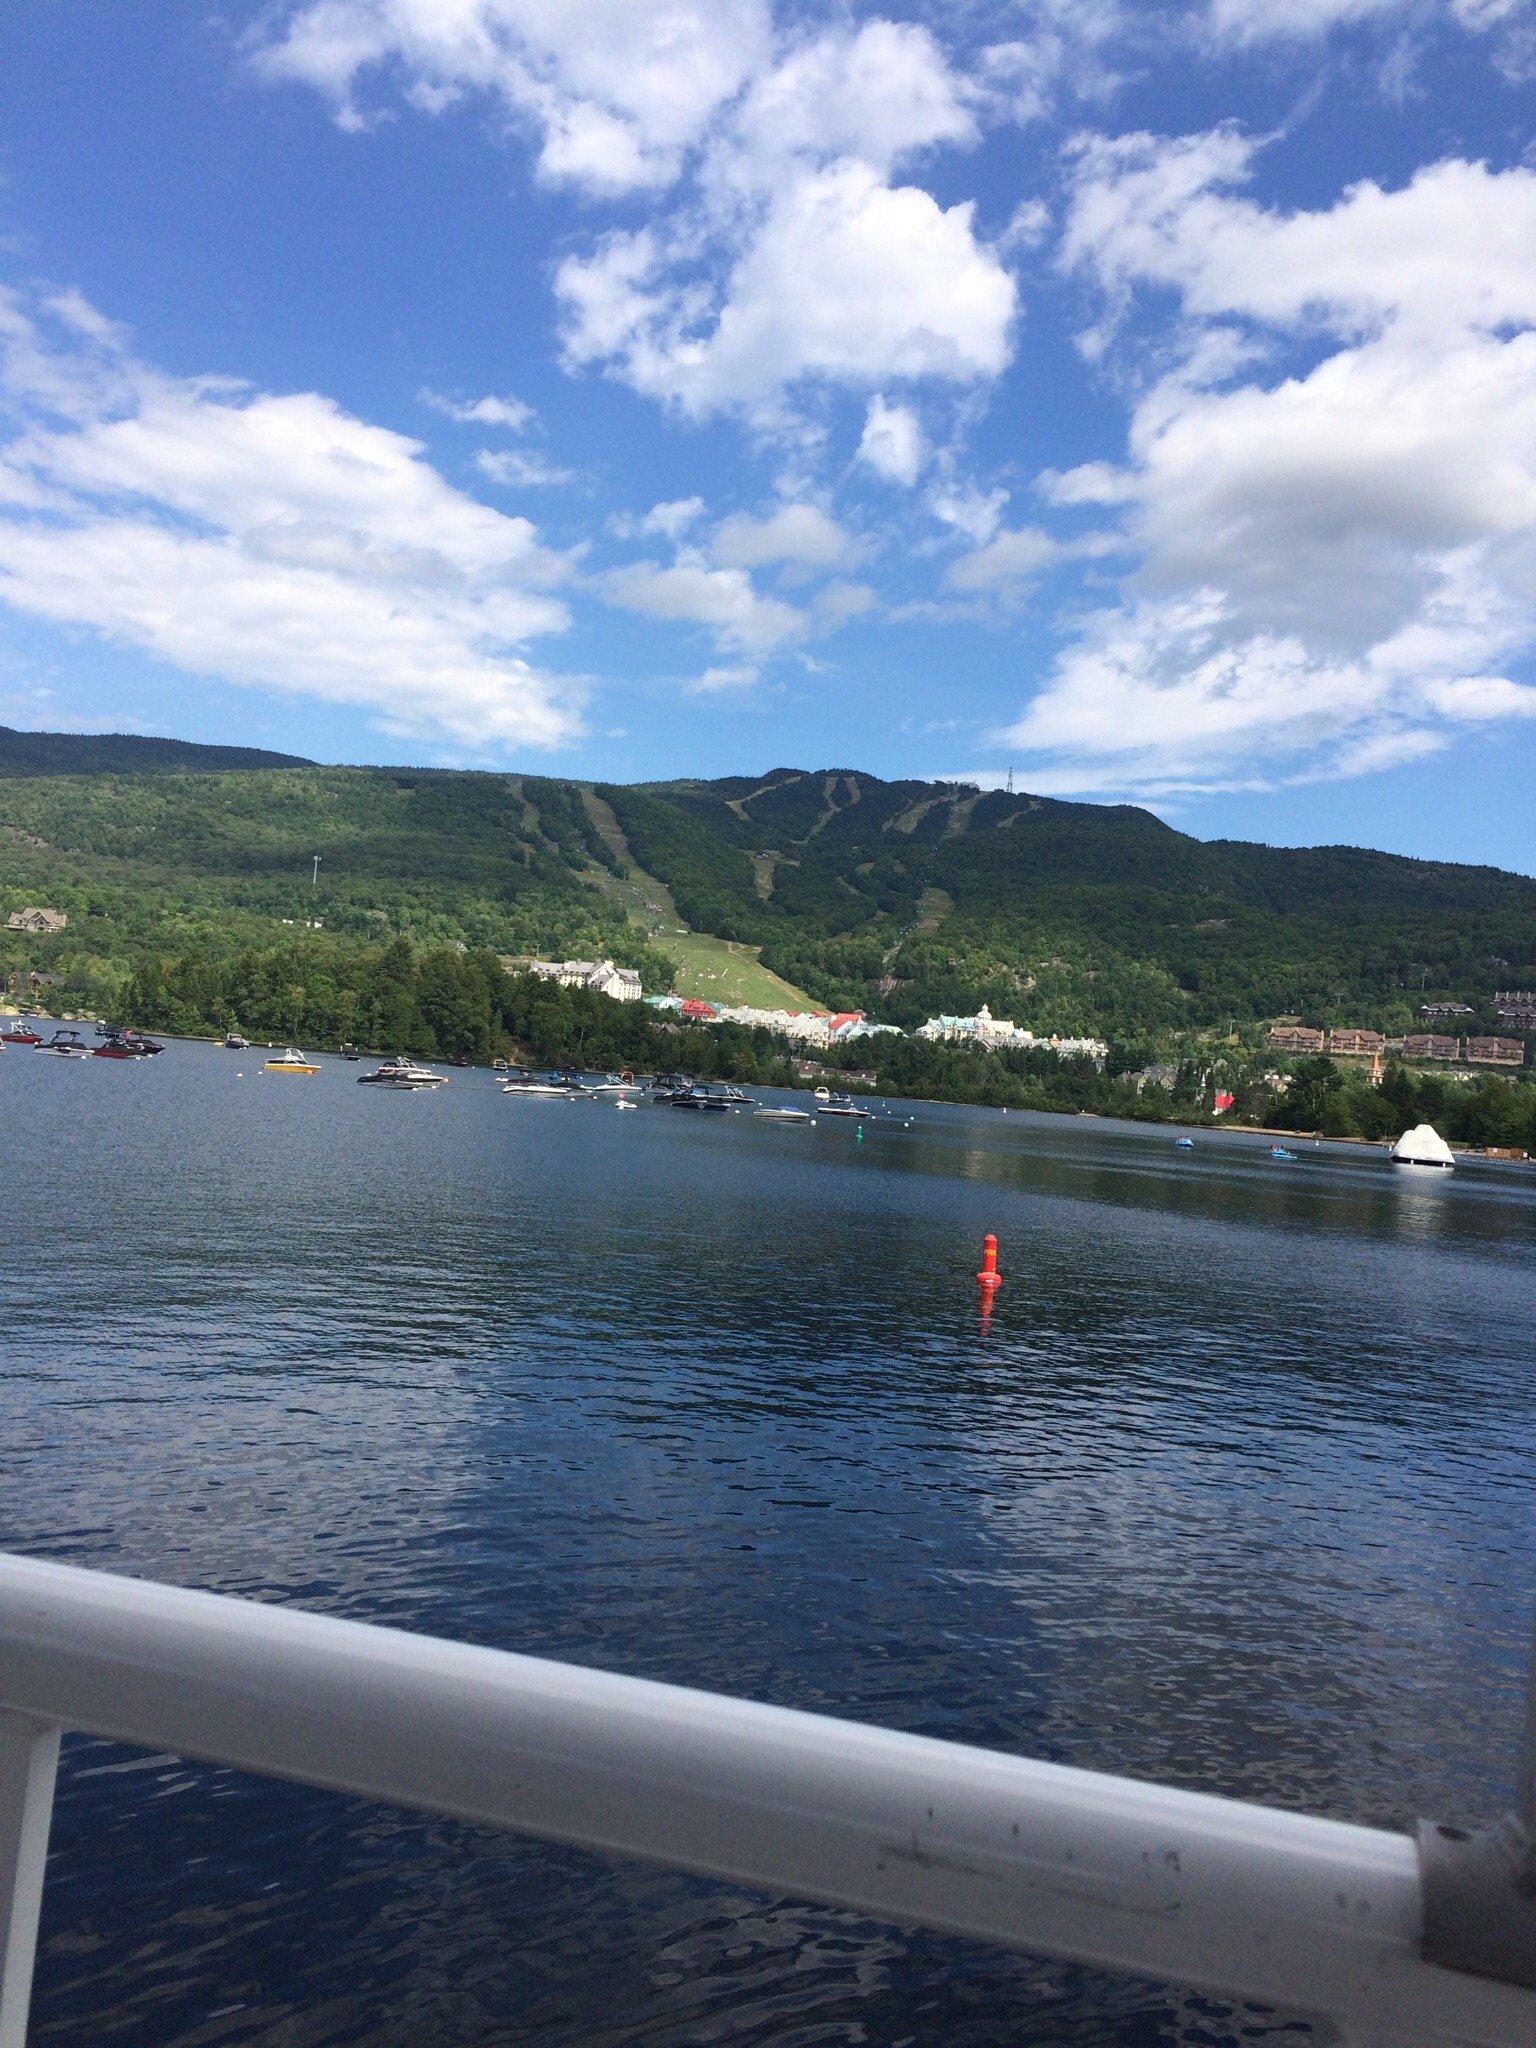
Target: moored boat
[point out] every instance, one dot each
(127, 1045)
(290, 1061)
(561, 1084)
(233, 1042)
(785, 1116)
(1423, 1146)
(19, 1034)
(699, 1097)
(65, 1045)
(402, 1073)
(840, 1105)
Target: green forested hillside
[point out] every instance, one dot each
(918, 897)
(102, 753)
(901, 898)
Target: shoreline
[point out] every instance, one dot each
(1496, 1156)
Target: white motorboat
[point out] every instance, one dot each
(786, 1116)
(567, 1085)
(401, 1072)
(67, 1045)
(840, 1105)
(289, 1061)
(1423, 1146)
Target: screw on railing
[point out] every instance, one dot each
(29, 1756)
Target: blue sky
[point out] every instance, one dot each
(1139, 397)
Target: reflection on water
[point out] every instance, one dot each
(1231, 1489)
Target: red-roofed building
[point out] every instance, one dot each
(700, 1012)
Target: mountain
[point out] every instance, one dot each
(125, 753)
(903, 898)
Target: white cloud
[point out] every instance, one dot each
(482, 412)
(1451, 249)
(1253, 21)
(968, 509)
(617, 92)
(845, 280)
(721, 599)
(781, 253)
(1006, 561)
(735, 676)
(840, 602)
(892, 442)
(803, 535)
(672, 517)
(1269, 21)
(1091, 483)
(274, 541)
(1333, 496)
(515, 470)
(878, 93)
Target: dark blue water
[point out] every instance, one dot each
(1235, 1492)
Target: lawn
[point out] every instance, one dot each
(720, 971)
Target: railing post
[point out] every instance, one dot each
(29, 1756)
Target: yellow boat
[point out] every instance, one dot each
(290, 1062)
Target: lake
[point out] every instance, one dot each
(1234, 1491)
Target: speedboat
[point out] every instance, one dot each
(1280, 1152)
(290, 1061)
(839, 1105)
(568, 1085)
(698, 1097)
(401, 1072)
(66, 1045)
(785, 1116)
(127, 1045)
(19, 1034)
(233, 1042)
(1184, 1144)
(615, 1084)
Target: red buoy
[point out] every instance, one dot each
(989, 1277)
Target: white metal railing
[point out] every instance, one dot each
(1311, 1915)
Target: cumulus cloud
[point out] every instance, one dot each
(615, 92)
(723, 600)
(845, 279)
(269, 540)
(515, 470)
(839, 602)
(1004, 563)
(892, 442)
(482, 412)
(1333, 495)
(802, 535)
(880, 92)
(785, 250)
(671, 518)
(968, 508)
(725, 677)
